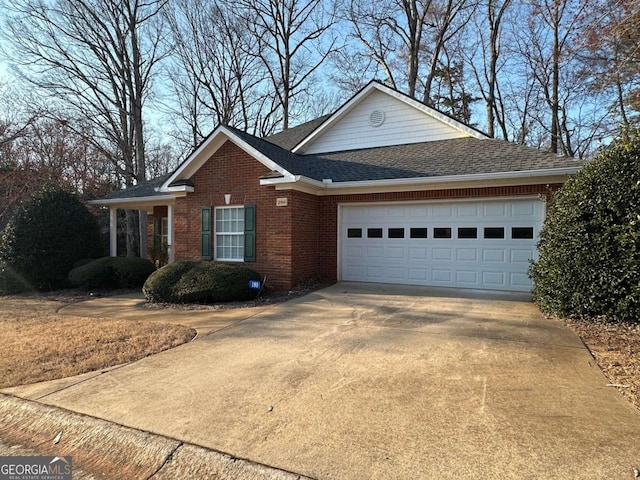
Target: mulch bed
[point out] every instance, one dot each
(616, 348)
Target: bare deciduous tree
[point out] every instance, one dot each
(214, 80)
(97, 59)
(483, 59)
(292, 39)
(406, 38)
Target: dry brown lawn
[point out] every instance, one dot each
(37, 344)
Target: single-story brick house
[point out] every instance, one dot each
(385, 189)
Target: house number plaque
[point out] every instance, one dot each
(282, 202)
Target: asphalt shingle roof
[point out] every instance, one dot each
(291, 137)
(144, 189)
(461, 156)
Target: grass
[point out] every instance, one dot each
(37, 344)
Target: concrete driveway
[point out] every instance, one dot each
(380, 382)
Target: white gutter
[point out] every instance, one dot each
(434, 180)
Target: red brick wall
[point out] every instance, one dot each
(232, 171)
(305, 230)
(328, 231)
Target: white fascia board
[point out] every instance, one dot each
(549, 175)
(135, 201)
(342, 111)
(179, 189)
(208, 148)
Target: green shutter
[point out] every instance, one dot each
(249, 233)
(205, 233)
(156, 232)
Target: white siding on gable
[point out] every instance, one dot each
(402, 124)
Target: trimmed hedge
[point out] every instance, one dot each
(191, 281)
(112, 273)
(589, 263)
(49, 232)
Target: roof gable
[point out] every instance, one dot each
(380, 116)
(264, 152)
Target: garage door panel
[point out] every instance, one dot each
(442, 211)
(395, 252)
(374, 272)
(493, 255)
(441, 254)
(521, 256)
(522, 209)
(376, 212)
(354, 271)
(469, 277)
(397, 243)
(419, 212)
(418, 274)
(418, 253)
(496, 210)
(467, 254)
(468, 210)
(519, 279)
(494, 279)
(395, 273)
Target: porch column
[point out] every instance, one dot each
(142, 228)
(113, 232)
(170, 253)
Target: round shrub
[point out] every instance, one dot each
(200, 282)
(589, 264)
(48, 233)
(111, 273)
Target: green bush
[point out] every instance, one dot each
(49, 232)
(589, 264)
(200, 282)
(112, 273)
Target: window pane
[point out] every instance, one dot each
(374, 233)
(396, 233)
(418, 233)
(467, 232)
(230, 233)
(494, 232)
(522, 233)
(354, 233)
(442, 232)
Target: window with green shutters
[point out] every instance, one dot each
(235, 233)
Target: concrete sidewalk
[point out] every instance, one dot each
(376, 381)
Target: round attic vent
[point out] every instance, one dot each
(376, 118)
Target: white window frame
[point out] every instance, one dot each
(217, 235)
(164, 231)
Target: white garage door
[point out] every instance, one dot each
(481, 244)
